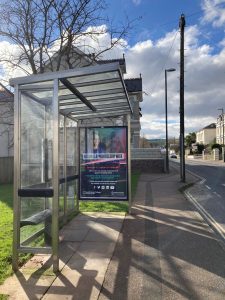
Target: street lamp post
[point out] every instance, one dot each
(222, 119)
(167, 154)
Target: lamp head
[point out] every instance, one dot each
(170, 70)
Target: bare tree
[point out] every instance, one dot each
(6, 116)
(47, 34)
(41, 28)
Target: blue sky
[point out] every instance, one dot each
(153, 45)
(156, 16)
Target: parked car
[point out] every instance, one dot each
(173, 155)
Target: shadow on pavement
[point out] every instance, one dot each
(165, 250)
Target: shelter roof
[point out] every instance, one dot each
(83, 93)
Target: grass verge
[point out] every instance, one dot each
(4, 297)
(101, 206)
(6, 234)
(6, 231)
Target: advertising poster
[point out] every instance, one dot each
(103, 163)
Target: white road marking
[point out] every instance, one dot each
(223, 184)
(202, 181)
(218, 195)
(208, 187)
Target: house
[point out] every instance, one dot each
(134, 89)
(206, 135)
(6, 122)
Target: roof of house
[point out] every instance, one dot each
(5, 94)
(133, 84)
(121, 61)
(210, 126)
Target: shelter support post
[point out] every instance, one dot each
(65, 168)
(55, 205)
(16, 203)
(77, 157)
(129, 163)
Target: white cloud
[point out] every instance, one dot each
(136, 2)
(204, 80)
(7, 51)
(214, 12)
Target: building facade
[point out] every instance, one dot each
(220, 134)
(206, 135)
(6, 122)
(134, 89)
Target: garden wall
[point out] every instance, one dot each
(6, 170)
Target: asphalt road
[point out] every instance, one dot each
(210, 191)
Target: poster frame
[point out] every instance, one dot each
(104, 199)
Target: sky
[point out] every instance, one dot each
(152, 46)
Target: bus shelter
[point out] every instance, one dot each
(48, 110)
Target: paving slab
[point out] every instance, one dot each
(70, 284)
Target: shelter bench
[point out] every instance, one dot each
(36, 218)
(37, 191)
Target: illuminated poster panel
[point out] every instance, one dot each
(103, 163)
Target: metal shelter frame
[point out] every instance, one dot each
(76, 94)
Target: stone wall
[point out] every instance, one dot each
(148, 165)
(147, 160)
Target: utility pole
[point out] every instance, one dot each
(182, 150)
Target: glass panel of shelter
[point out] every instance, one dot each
(36, 168)
(35, 190)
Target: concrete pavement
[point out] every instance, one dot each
(164, 250)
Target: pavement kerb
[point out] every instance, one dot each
(200, 178)
(205, 215)
(208, 218)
